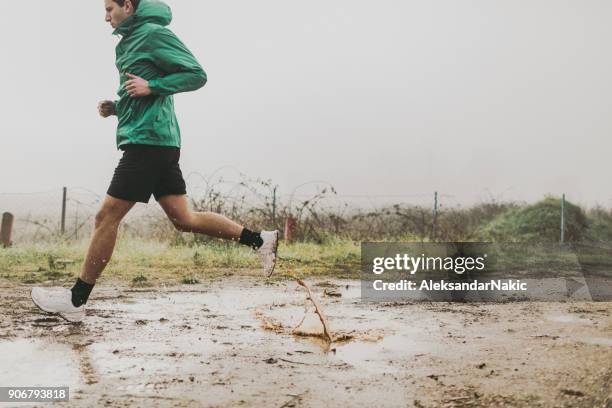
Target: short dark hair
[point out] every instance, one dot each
(122, 3)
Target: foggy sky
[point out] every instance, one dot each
(475, 99)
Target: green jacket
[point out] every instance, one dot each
(149, 50)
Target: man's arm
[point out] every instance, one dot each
(184, 72)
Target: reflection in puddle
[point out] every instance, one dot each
(598, 341)
(30, 363)
(378, 356)
(567, 318)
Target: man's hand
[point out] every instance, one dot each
(106, 108)
(137, 87)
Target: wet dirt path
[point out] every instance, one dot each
(205, 345)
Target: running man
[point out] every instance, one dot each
(153, 65)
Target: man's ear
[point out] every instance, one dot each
(129, 7)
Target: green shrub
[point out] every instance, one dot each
(539, 222)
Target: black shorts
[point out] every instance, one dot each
(144, 170)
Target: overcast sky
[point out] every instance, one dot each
(510, 99)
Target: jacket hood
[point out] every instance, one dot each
(148, 11)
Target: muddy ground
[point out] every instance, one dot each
(229, 343)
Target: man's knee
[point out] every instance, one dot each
(108, 216)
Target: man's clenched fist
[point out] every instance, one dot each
(137, 87)
(106, 108)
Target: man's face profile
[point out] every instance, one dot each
(116, 14)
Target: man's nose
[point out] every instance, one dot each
(108, 18)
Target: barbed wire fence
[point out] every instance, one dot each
(308, 211)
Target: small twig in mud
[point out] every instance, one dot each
(47, 320)
(326, 331)
(292, 402)
(545, 336)
(303, 318)
(343, 337)
(573, 393)
(295, 362)
(331, 293)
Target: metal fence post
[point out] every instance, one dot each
(563, 219)
(63, 224)
(76, 223)
(274, 207)
(435, 216)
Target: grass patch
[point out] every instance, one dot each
(139, 280)
(144, 262)
(189, 280)
(539, 222)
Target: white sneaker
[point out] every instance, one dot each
(267, 251)
(57, 300)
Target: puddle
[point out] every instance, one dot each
(137, 366)
(598, 341)
(567, 318)
(371, 346)
(30, 362)
(379, 356)
(204, 344)
(183, 327)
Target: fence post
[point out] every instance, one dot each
(290, 224)
(76, 223)
(6, 229)
(563, 219)
(63, 224)
(435, 216)
(274, 207)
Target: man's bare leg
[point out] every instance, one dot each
(216, 225)
(69, 304)
(209, 223)
(104, 237)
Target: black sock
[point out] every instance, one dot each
(250, 238)
(80, 292)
